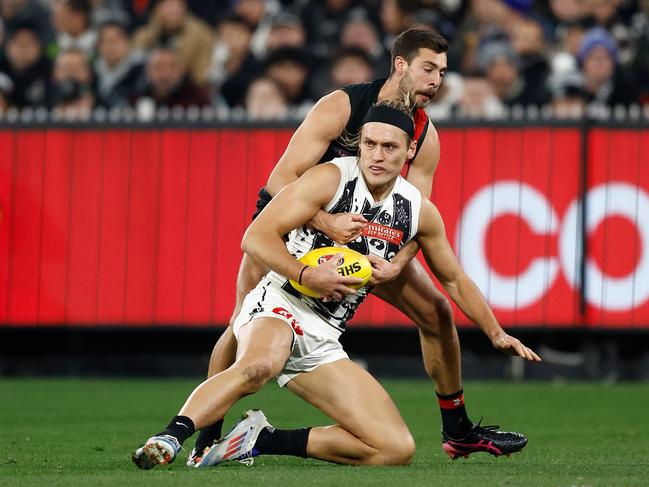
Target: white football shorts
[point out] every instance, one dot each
(315, 342)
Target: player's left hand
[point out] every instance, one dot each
(513, 346)
(382, 270)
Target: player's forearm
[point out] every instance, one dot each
(270, 249)
(469, 299)
(406, 254)
(317, 221)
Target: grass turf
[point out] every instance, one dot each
(81, 432)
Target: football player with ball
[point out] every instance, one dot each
(289, 324)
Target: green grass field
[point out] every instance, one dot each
(81, 432)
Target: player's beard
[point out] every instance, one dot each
(410, 93)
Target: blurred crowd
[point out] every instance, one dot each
(269, 59)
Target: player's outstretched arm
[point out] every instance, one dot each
(294, 206)
(462, 290)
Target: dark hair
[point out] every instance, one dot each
(352, 141)
(408, 43)
(80, 6)
(351, 51)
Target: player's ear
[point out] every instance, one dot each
(412, 149)
(400, 64)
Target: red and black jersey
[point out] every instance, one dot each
(361, 97)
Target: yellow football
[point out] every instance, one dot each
(352, 264)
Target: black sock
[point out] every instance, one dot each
(283, 442)
(180, 427)
(207, 436)
(455, 421)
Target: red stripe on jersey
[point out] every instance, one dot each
(421, 119)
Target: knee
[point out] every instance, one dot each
(398, 450)
(255, 374)
(437, 316)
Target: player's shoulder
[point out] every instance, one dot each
(405, 187)
(347, 165)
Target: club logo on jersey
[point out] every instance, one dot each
(389, 234)
(291, 320)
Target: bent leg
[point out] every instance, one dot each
(264, 345)
(414, 294)
(225, 349)
(370, 430)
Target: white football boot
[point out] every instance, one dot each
(158, 450)
(239, 444)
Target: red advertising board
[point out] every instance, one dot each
(142, 227)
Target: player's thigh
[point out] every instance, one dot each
(414, 293)
(266, 343)
(355, 400)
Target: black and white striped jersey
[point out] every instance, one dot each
(392, 223)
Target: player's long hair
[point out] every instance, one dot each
(352, 141)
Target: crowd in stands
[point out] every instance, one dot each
(266, 59)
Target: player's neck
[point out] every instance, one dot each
(380, 192)
(390, 90)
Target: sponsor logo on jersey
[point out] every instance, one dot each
(382, 232)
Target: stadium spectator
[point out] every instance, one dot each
(606, 14)
(257, 14)
(501, 66)
(286, 30)
(323, 21)
(447, 98)
(171, 24)
(568, 95)
(397, 16)
(359, 32)
(233, 65)
(605, 81)
(640, 63)
(479, 99)
(71, 22)
(231, 48)
(265, 100)
(168, 83)
(119, 70)
(488, 20)
(528, 42)
(18, 12)
(73, 96)
(289, 67)
(6, 92)
(24, 62)
(105, 11)
(350, 66)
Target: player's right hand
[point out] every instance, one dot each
(342, 227)
(326, 281)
